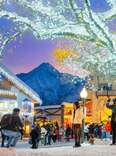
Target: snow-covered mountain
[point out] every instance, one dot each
(52, 86)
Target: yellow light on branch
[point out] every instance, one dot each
(61, 54)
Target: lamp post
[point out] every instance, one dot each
(83, 96)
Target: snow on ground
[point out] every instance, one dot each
(93, 150)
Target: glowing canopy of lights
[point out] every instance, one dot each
(66, 18)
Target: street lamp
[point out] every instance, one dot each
(83, 96)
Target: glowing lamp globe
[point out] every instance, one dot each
(83, 93)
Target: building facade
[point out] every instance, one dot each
(14, 93)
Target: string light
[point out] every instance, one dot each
(8, 93)
(50, 21)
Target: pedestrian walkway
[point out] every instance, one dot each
(99, 149)
(95, 150)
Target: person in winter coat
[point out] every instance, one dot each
(35, 135)
(91, 133)
(77, 123)
(108, 129)
(103, 136)
(11, 125)
(43, 135)
(68, 133)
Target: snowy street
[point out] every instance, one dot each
(101, 148)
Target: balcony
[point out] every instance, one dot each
(7, 93)
(106, 93)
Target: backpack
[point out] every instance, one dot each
(6, 121)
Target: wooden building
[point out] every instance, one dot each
(13, 93)
(61, 113)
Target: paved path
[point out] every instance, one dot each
(99, 149)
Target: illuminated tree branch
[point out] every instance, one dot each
(65, 19)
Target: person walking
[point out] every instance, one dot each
(35, 136)
(43, 135)
(68, 133)
(103, 130)
(86, 131)
(77, 123)
(91, 133)
(11, 125)
(112, 105)
(108, 129)
(38, 128)
(61, 133)
(3, 137)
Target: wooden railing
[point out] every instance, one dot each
(106, 93)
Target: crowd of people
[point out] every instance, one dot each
(98, 130)
(48, 133)
(52, 133)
